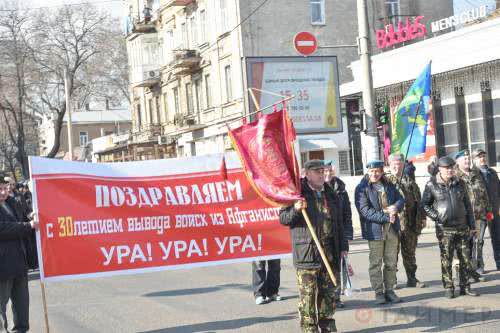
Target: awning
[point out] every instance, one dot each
(316, 144)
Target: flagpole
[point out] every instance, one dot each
(411, 136)
(320, 248)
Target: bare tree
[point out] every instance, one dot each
(14, 63)
(67, 39)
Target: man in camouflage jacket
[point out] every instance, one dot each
(478, 196)
(412, 218)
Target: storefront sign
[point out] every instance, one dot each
(125, 218)
(410, 31)
(314, 81)
(459, 19)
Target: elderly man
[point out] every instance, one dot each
(446, 202)
(379, 204)
(316, 290)
(493, 188)
(412, 217)
(338, 187)
(478, 196)
(13, 263)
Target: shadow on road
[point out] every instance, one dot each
(217, 326)
(206, 290)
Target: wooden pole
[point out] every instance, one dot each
(254, 99)
(45, 311)
(320, 248)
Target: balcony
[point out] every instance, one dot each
(185, 62)
(179, 3)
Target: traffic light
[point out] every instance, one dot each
(382, 114)
(357, 123)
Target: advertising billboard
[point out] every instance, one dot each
(314, 81)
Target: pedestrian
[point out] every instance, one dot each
(266, 283)
(478, 196)
(316, 290)
(13, 263)
(432, 168)
(338, 187)
(493, 189)
(412, 217)
(379, 204)
(446, 202)
(409, 169)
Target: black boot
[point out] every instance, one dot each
(466, 291)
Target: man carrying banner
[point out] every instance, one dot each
(412, 217)
(13, 263)
(316, 290)
(338, 187)
(493, 187)
(446, 202)
(379, 204)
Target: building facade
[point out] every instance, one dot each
(465, 82)
(188, 69)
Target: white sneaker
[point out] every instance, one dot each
(259, 300)
(275, 297)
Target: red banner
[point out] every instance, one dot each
(265, 148)
(95, 221)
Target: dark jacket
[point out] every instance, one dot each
(448, 205)
(13, 260)
(331, 234)
(371, 216)
(339, 188)
(493, 187)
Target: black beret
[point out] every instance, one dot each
(315, 164)
(478, 152)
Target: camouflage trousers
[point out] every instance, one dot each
(408, 244)
(451, 240)
(316, 300)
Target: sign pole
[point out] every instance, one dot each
(45, 311)
(370, 142)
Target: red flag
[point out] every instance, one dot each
(265, 148)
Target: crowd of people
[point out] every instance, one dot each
(461, 197)
(17, 252)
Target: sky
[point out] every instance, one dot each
(114, 7)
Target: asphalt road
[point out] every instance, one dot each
(219, 299)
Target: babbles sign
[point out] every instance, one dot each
(106, 219)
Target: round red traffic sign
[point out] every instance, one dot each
(305, 43)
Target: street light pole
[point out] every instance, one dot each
(68, 112)
(370, 144)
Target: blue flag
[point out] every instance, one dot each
(409, 121)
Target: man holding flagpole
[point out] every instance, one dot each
(316, 290)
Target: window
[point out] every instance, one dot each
(184, 36)
(189, 98)
(344, 162)
(208, 91)
(165, 107)
(223, 15)
(139, 117)
(317, 12)
(84, 139)
(158, 109)
(194, 31)
(392, 11)
(203, 27)
(197, 90)
(176, 100)
(169, 44)
(150, 110)
(229, 88)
